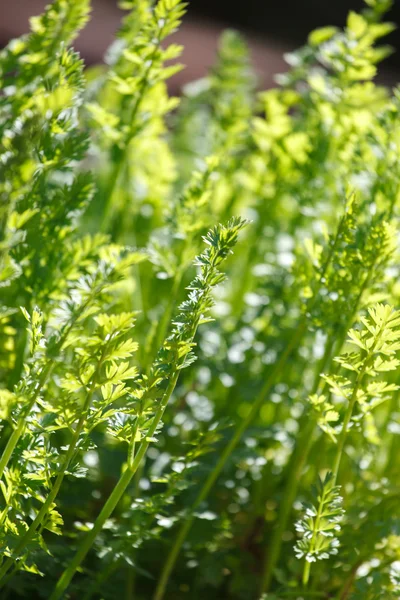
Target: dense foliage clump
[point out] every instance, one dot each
(169, 431)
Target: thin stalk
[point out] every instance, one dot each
(296, 468)
(185, 527)
(345, 426)
(350, 406)
(343, 435)
(135, 493)
(307, 564)
(123, 482)
(47, 369)
(18, 432)
(129, 583)
(112, 186)
(301, 455)
(162, 326)
(39, 519)
(21, 350)
(299, 461)
(114, 497)
(357, 303)
(270, 381)
(241, 287)
(12, 442)
(90, 537)
(122, 152)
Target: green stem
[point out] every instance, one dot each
(351, 404)
(47, 369)
(300, 457)
(173, 555)
(112, 186)
(307, 564)
(21, 349)
(162, 326)
(125, 478)
(353, 398)
(306, 573)
(121, 152)
(353, 315)
(19, 430)
(129, 583)
(270, 381)
(12, 442)
(114, 497)
(135, 493)
(289, 495)
(349, 412)
(296, 468)
(185, 527)
(41, 515)
(345, 426)
(342, 439)
(90, 537)
(122, 484)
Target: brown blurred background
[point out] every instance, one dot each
(270, 26)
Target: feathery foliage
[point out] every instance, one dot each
(162, 423)
(321, 523)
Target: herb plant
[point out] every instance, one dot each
(169, 431)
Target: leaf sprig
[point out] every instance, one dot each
(321, 524)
